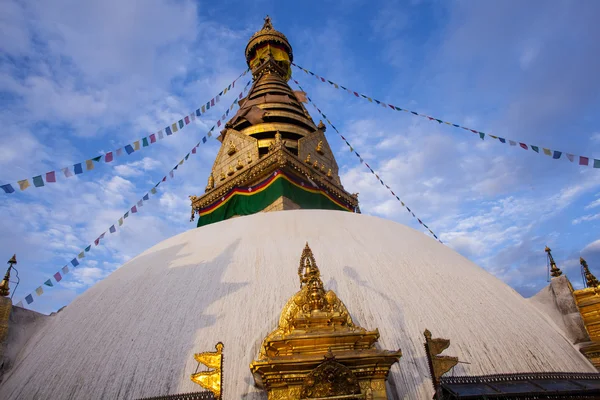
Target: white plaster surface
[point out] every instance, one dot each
(134, 334)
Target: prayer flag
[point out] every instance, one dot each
(203, 109)
(535, 148)
(187, 156)
(481, 135)
(50, 177)
(126, 214)
(133, 209)
(187, 120)
(112, 229)
(8, 188)
(58, 277)
(153, 191)
(97, 241)
(129, 149)
(212, 102)
(48, 283)
(241, 96)
(596, 163)
(218, 98)
(523, 145)
(153, 138)
(171, 174)
(198, 113)
(74, 262)
(24, 184)
(547, 151)
(512, 142)
(209, 134)
(180, 123)
(29, 299)
(502, 140)
(168, 131)
(145, 142)
(571, 157)
(67, 172)
(160, 135)
(219, 123)
(89, 165)
(192, 116)
(136, 145)
(38, 181)
(81, 255)
(39, 291)
(557, 154)
(65, 269)
(174, 127)
(140, 203)
(119, 152)
(120, 221)
(97, 159)
(88, 248)
(146, 197)
(108, 157)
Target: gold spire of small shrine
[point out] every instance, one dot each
(438, 365)
(554, 270)
(4, 285)
(213, 378)
(590, 279)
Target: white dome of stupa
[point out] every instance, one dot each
(134, 334)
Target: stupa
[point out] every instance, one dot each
(353, 320)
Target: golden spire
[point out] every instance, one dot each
(554, 270)
(590, 279)
(4, 285)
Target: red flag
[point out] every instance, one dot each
(219, 123)
(133, 209)
(50, 177)
(57, 277)
(187, 120)
(583, 160)
(523, 145)
(356, 94)
(194, 150)
(152, 138)
(108, 157)
(97, 241)
(212, 102)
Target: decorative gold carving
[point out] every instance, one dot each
(307, 159)
(230, 171)
(329, 173)
(554, 270)
(323, 168)
(319, 148)
(223, 176)
(239, 164)
(213, 378)
(232, 148)
(316, 164)
(312, 324)
(249, 158)
(330, 379)
(438, 365)
(277, 143)
(590, 279)
(211, 184)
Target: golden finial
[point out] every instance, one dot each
(4, 285)
(239, 164)
(590, 279)
(307, 160)
(277, 137)
(554, 270)
(319, 148)
(321, 126)
(213, 378)
(232, 148)
(308, 266)
(211, 183)
(329, 173)
(268, 24)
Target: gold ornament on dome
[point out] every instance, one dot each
(438, 365)
(319, 148)
(307, 159)
(213, 378)
(231, 171)
(223, 176)
(211, 183)
(554, 270)
(232, 149)
(239, 164)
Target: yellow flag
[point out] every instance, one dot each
(211, 379)
(370, 99)
(174, 128)
(547, 152)
(39, 291)
(336, 86)
(24, 184)
(81, 255)
(120, 221)
(89, 164)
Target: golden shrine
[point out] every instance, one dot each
(317, 351)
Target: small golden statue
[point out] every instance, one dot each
(321, 126)
(319, 148)
(307, 160)
(239, 164)
(316, 164)
(232, 148)
(329, 173)
(322, 167)
(231, 171)
(223, 177)
(211, 183)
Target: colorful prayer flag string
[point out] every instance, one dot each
(367, 165)
(134, 209)
(555, 154)
(78, 168)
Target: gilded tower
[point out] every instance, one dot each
(273, 156)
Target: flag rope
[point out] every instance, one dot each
(88, 165)
(362, 161)
(555, 154)
(133, 210)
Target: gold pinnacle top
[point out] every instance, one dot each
(4, 285)
(590, 279)
(268, 35)
(554, 270)
(308, 269)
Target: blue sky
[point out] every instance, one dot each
(78, 79)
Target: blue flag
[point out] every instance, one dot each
(29, 299)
